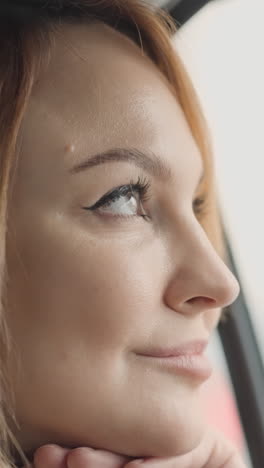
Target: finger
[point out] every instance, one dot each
(51, 456)
(84, 457)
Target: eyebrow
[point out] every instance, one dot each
(150, 163)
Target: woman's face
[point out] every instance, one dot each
(91, 290)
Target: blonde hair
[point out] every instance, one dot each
(26, 35)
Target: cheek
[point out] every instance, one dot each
(73, 287)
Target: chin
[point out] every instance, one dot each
(160, 425)
(166, 432)
(182, 437)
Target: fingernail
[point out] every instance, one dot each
(48, 446)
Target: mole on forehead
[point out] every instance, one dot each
(69, 148)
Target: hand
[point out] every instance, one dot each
(54, 456)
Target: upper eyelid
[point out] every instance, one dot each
(107, 195)
(199, 191)
(201, 196)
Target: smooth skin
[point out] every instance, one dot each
(91, 290)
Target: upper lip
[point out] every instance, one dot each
(185, 349)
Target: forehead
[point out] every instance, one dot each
(99, 92)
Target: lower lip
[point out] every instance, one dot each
(192, 365)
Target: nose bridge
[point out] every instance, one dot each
(200, 271)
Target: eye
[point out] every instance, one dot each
(124, 201)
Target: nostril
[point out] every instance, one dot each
(203, 301)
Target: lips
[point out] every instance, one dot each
(186, 349)
(187, 359)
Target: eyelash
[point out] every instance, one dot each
(142, 188)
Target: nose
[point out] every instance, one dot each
(199, 279)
